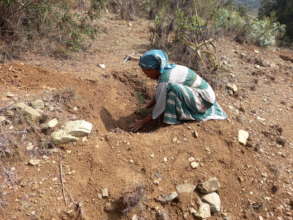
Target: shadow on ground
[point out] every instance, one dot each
(124, 122)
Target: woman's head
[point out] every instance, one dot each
(153, 63)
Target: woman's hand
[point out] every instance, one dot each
(139, 124)
(136, 126)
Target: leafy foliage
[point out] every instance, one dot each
(25, 22)
(281, 10)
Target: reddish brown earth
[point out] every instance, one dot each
(256, 180)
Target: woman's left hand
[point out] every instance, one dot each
(137, 125)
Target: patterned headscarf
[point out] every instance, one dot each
(155, 59)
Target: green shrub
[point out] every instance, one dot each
(57, 22)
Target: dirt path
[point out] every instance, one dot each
(256, 180)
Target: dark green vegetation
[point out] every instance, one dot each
(281, 10)
(59, 27)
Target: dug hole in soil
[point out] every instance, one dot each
(116, 174)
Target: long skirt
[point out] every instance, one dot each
(184, 104)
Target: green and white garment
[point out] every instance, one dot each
(182, 95)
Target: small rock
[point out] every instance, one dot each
(135, 217)
(203, 212)
(109, 207)
(194, 164)
(52, 123)
(209, 186)
(162, 215)
(78, 128)
(38, 104)
(191, 159)
(105, 193)
(167, 198)
(195, 134)
(29, 146)
(214, 200)
(175, 140)
(28, 111)
(185, 188)
(2, 119)
(103, 66)
(243, 136)
(34, 162)
(10, 95)
(232, 87)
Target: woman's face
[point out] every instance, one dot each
(152, 73)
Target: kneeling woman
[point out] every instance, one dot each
(181, 94)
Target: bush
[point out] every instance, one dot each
(178, 22)
(28, 22)
(262, 32)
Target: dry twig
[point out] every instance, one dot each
(62, 182)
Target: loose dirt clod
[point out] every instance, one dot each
(130, 200)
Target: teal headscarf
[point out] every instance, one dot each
(155, 59)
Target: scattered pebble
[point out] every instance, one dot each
(243, 137)
(194, 164)
(34, 162)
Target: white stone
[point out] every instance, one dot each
(171, 196)
(105, 193)
(203, 212)
(62, 137)
(29, 146)
(38, 104)
(232, 87)
(34, 162)
(28, 111)
(191, 159)
(135, 217)
(2, 119)
(103, 66)
(243, 137)
(52, 123)
(10, 95)
(214, 200)
(209, 186)
(78, 128)
(194, 164)
(185, 188)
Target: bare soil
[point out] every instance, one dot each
(256, 180)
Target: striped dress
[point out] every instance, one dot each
(182, 95)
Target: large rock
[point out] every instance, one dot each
(214, 200)
(62, 137)
(209, 186)
(29, 112)
(243, 137)
(203, 212)
(78, 128)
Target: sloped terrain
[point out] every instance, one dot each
(68, 180)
